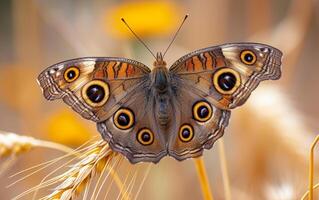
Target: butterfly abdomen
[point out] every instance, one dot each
(163, 110)
(160, 86)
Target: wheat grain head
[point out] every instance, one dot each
(73, 181)
(12, 144)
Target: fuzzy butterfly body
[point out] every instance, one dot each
(148, 114)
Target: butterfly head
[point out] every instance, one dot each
(159, 62)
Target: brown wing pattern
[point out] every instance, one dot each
(199, 61)
(92, 86)
(208, 64)
(214, 80)
(127, 141)
(205, 132)
(145, 123)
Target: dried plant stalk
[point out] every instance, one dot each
(203, 179)
(309, 193)
(223, 163)
(12, 144)
(94, 161)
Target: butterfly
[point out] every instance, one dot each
(178, 111)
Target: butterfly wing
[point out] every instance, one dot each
(115, 93)
(144, 140)
(118, 94)
(198, 123)
(208, 83)
(93, 86)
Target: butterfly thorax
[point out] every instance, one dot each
(160, 85)
(160, 74)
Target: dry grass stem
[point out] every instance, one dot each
(12, 144)
(309, 193)
(224, 168)
(203, 179)
(143, 180)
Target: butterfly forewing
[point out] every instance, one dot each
(232, 71)
(92, 86)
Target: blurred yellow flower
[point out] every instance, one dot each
(66, 128)
(147, 18)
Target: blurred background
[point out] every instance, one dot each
(268, 139)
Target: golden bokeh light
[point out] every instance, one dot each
(147, 18)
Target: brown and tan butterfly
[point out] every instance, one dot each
(178, 111)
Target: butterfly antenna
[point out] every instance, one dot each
(176, 34)
(139, 39)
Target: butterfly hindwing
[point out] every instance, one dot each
(198, 122)
(143, 140)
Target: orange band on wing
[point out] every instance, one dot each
(130, 70)
(189, 65)
(99, 70)
(220, 62)
(122, 71)
(110, 70)
(197, 63)
(209, 61)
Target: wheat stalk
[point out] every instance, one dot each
(224, 169)
(310, 191)
(203, 178)
(72, 182)
(12, 144)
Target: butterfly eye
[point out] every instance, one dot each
(145, 136)
(123, 119)
(71, 74)
(96, 93)
(248, 57)
(186, 133)
(226, 80)
(202, 111)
